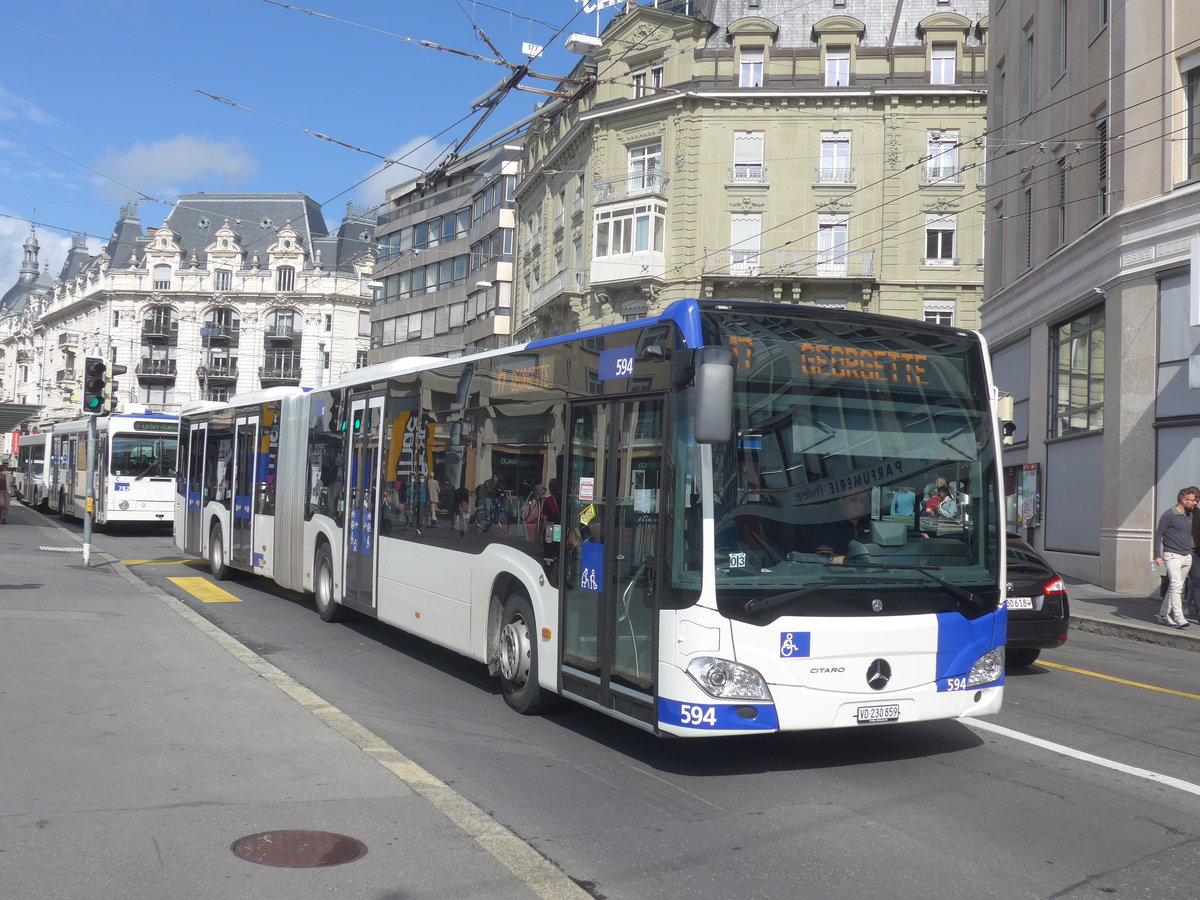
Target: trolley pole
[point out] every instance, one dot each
(91, 492)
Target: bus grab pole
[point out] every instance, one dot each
(91, 492)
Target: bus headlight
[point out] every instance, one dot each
(727, 680)
(988, 668)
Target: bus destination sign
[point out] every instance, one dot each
(161, 427)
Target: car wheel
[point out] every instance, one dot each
(216, 555)
(1021, 657)
(327, 606)
(518, 657)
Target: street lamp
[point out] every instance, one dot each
(208, 331)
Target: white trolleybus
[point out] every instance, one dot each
(135, 468)
(33, 468)
(703, 523)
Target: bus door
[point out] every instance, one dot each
(192, 481)
(245, 444)
(610, 517)
(362, 501)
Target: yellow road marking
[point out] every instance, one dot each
(1138, 684)
(155, 562)
(204, 590)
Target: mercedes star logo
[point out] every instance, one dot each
(879, 673)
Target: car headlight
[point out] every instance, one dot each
(988, 668)
(727, 680)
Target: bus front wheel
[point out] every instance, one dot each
(216, 555)
(518, 657)
(327, 606)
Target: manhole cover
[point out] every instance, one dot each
(299, 849)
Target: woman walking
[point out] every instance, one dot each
(6, 492)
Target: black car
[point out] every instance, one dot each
(1038, 611)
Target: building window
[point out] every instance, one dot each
(644, 168)
(837, 67)
(360, 358)
(1193, 122)
(285, 279)
(750, 68)
(1063, 32)
(939, 241)
(943, 64)
(116, 318)
(647, 82)
(1101, 14)
(223, 280)
(745, 238)
(162, 278)
(835, 159)
(939, 312)
(942, 158)
(1028, 228)
(1101, 168)
(832, 238)
(364, 322)
(1028, 71)
(748, 156)
(630, 229)
(1077, 382)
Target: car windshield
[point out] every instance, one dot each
(863, 458)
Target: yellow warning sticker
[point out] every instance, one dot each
(587, 514)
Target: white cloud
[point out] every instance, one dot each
(412, 158)
(176, 165)
(14, 107)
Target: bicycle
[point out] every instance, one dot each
(495, 512)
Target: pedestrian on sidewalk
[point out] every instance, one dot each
(1173, 549)
(1191, 589)
(7, 489)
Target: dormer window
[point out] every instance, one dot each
(162, 278)
(285, 279)
(750, 69)
(837, 67)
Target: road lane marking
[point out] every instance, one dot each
(204, 590)
(1137, 684)
(1157, 777)
(156, 562)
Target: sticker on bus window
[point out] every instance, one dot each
(591, 567)
(587, 514)
(587, 489)
(615, 363)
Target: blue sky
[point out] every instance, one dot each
(101, 102)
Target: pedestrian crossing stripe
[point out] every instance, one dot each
(204, 590)
(62, 549)
(156, 562)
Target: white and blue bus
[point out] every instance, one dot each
(135, 468)
(33, 468)
(717, 522)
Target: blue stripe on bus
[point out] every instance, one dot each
(684, 313)
(718, 716)
(960, 643)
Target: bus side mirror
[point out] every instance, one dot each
(713, 368)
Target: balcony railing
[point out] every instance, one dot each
(747, 173)
(68, 339)
(638, 184)
(280, 374)
(947, 262)
(282, 332)
(159, 328)
(564, 282)
(942, 175)
(156, 368)
(65, 376)
(216, 332)
(834, 175)
(792, 264)
(24, 356)
(217, 372)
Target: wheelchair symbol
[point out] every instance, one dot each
(794, 643)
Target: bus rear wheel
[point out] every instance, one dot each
(327, 606)
(518, 657)
(216, 555)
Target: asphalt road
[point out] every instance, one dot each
(1090, 787)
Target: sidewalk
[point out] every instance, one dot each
(1095, 610)
(140, 743)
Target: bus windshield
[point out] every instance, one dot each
(863, 458)
(144, 455)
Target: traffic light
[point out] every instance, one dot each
(95, 386)
(111, 387)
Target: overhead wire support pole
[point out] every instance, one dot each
(90, 492)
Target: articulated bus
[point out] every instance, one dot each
(33, 469)
(703, 535)
(135, 468)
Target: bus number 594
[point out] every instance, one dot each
(697, 715)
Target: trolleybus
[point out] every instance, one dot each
(704, 539)
(135, 467)
(33, 468)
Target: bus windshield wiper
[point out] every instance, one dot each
(142, 474)
(959, 592)
(762, 604)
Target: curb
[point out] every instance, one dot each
(1146, 634)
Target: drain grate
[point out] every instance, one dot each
(299, 849)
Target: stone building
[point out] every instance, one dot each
(826, 153)
(234, 292)
(1091, 310)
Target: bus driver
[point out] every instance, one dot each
(832, 539)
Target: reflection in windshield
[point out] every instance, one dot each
(143, 456)
(857, 457)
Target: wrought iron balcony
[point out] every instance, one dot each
(275, 375)
(68, 339)
(65, 376)
(637, 184)
(282, 333)
(217, 373)
(834, 175)
(158, 327)
(156, 368)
